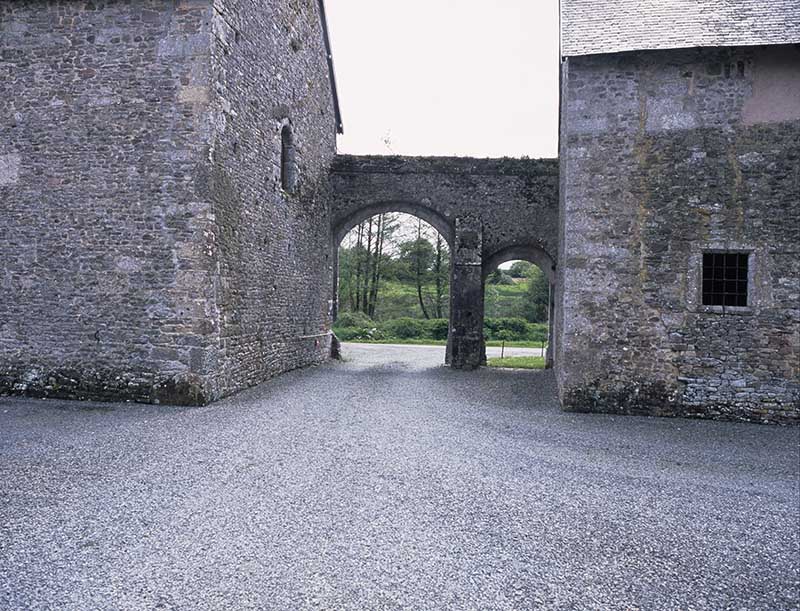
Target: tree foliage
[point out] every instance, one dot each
(390, 248)
(498, 276)
(520, 269)
(537, 296)
(528, 298)
(361, 265)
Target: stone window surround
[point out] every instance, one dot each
(288, 177)
(694, 294)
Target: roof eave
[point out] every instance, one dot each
(336, 110)
(634, 49)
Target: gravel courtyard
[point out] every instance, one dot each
(387, 481)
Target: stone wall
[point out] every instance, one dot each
(515, 200)
(271, 247)
(101, 111)
(664, 155)
(147, 250)
(488, 210)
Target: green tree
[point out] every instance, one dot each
(498, 276)
(361, 264)
(537, 296)
(520, 269)
(384, 277)
(418, 256)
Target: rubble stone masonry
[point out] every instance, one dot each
(143, 223)
(171, 202)
(666, 155)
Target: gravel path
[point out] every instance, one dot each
(387, 481)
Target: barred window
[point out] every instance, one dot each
(725, 278)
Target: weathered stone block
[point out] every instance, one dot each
(9, 169)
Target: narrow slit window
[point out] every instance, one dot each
(288, 173)
(725, 279)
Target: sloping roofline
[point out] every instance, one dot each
(336, 110)
(590, 27)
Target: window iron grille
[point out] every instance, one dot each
(725, 279)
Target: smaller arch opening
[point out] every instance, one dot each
(518, 307)
(288, 167)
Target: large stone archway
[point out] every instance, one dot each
(342, 225)
(422, 210)
(485, 208)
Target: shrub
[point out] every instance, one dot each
(349, 334)
(346, 334)
(437, 328)
(354, 326)
(539, 332)
(511, 328)
(505, 335)
(498, 276)
(495, 329)
(514, 329)
(404, 328)
(354, 319)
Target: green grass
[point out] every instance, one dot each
(518, 362)
(508, 290)
(398, 299)
(496, 343)
(504, 300)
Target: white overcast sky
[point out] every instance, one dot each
(475, 78)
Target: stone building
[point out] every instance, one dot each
(154, 247)
(172, 203)
(679, 262)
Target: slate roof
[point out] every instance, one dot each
(608, 26)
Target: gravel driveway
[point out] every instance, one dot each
(387, 481)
